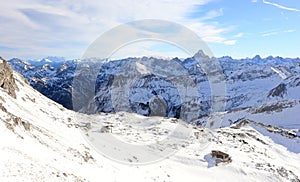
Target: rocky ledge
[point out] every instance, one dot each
(7, 81)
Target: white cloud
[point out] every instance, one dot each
(67, 27)
(276, 32)
(213, 14)
(290, 31)
(230, 42)
(269, 34)
(281, 6)
(239, 35)
(211, 33)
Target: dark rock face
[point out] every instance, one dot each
(58, 90)
(278, 91)
(158, 106)
(54, 80)
(274, 107)
(119, 87)
(154, 96)
(7, 81)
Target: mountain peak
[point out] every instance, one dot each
(257, 57)
(1, 60)
(200, 54)
(52, 59)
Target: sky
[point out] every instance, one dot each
(32, 29)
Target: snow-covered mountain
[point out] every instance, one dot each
(43, 141)
(250, 83)
(53, 79)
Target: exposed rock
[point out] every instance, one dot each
(295, 82)
(106, 129)
(278, 91)
(87, 156)
(224, 157)
(273, 107)
(10, 127)
(240, 122)
(216, 157)
(17, 121)
(7, 81)
(26, 125)
(2, 108)
(158, 106)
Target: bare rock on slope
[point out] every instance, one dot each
(278, 91)
(7, 81)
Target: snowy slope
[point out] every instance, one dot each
(42, 141)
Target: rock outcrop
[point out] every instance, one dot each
(7, 81)
(278, 91)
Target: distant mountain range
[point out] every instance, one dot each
(271, 82)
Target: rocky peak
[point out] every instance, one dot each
(7, 81)
(256, 58)
(200, 54)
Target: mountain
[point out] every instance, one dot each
(43, 141)
(53, 79)
(53, 60)
(250, 83)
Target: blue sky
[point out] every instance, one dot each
(238, 28)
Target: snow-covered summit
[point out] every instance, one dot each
(49, 59)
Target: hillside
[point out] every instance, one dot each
(43, 141)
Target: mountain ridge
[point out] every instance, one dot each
(52, 145)
(249, 82)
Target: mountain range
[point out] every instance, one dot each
(272, 83)
(46, 141)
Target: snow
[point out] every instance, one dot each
(248, 82)
(292, 144)
(287, 118)
(56, 148)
